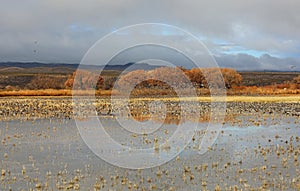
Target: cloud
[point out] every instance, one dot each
(66, 29)
(244, 62)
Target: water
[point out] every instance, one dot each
(49, 154)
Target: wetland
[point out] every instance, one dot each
(257, 148)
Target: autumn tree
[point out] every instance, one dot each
(174, 77)
(196, 76)
(84, 79)
(296, 80)
(108, 82)
(213, 78)
(162, 77)
(231, 77)
(293, 84)
(43, 81)
(133, 77)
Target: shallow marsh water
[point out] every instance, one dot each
(49, 154)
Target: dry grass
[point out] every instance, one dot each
(287, 99)
(242, 94)
(49, 92)
(281, 89)
(241, 90)
(53, 92)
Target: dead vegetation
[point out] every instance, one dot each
(154, 83)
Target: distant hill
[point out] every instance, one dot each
(62, 67)
(21, 75)
(35, 65)
(15, 66)
(11, 69)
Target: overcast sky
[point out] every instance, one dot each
(245, 35)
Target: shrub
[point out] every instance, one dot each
(197, 77)
(108, 82)
(164, 77)
(231, 77)
(168, 76)
(296, 80)
(43, 81)
(212, 77)
(133, 77)
(84, 80)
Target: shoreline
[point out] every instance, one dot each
(62, 107)
(277, 99)
(290, 98)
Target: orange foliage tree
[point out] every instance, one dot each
(197, 77)
(169, 76)
(296, 80)
(231, 77)
(162, 77)
(180, 77)
(43, 81)
(133, 77)
(211, 76)
(295, 83)
(84, 80)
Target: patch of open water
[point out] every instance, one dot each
(48, 154)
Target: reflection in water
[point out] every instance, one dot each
(135, 147)
(49, 154)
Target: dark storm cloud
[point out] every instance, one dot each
(265, 62)
(62, 31)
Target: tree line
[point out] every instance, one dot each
(162, 77)
(159, 78)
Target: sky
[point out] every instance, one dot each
(246, 35)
